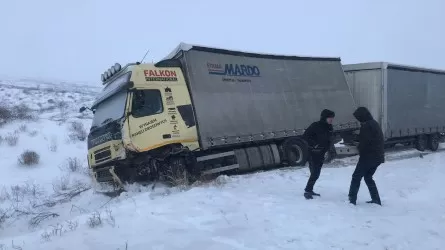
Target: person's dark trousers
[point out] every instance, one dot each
(315, 163)
(364, 170)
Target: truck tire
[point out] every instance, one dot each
(433, 142)
(295, 152)
(175, 172)
(421, 143)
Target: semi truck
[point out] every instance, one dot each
(203, 110)
(407, 101)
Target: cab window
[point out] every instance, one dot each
(147, 102)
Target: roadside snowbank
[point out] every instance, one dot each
(267, 211)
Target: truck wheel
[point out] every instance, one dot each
(433, 142)
(175, 172)
(295, 152)
(421, 143)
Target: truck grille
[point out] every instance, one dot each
(103, 175)
(102, 155)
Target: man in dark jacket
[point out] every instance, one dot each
(371, 151)
(318, 136)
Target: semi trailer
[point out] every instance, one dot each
(407, 101)
(203, 110)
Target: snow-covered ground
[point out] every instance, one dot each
(50, 206)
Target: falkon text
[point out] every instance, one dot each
(158, 75)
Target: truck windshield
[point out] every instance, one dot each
(111, 109)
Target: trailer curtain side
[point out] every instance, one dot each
(406, 100)
(240, 97)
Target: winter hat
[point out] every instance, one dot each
(326, 113)
(362, 114)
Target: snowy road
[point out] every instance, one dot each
(267, 211)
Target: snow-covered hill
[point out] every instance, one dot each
(51, 205)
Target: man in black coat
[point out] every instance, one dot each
(371, 151)
(319, 138)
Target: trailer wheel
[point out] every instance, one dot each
(433, 142)
(421, 143)
(295, 152)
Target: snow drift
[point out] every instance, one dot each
(50, 205)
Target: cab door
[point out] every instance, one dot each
(156, 120)
(147, 120)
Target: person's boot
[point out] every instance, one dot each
(352, 201)
(314, 194)
(375, 202)
(308, 195)
(374, 193)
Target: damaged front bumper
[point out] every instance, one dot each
(106, 179)
(107, 174)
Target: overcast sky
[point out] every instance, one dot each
(77, 40)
